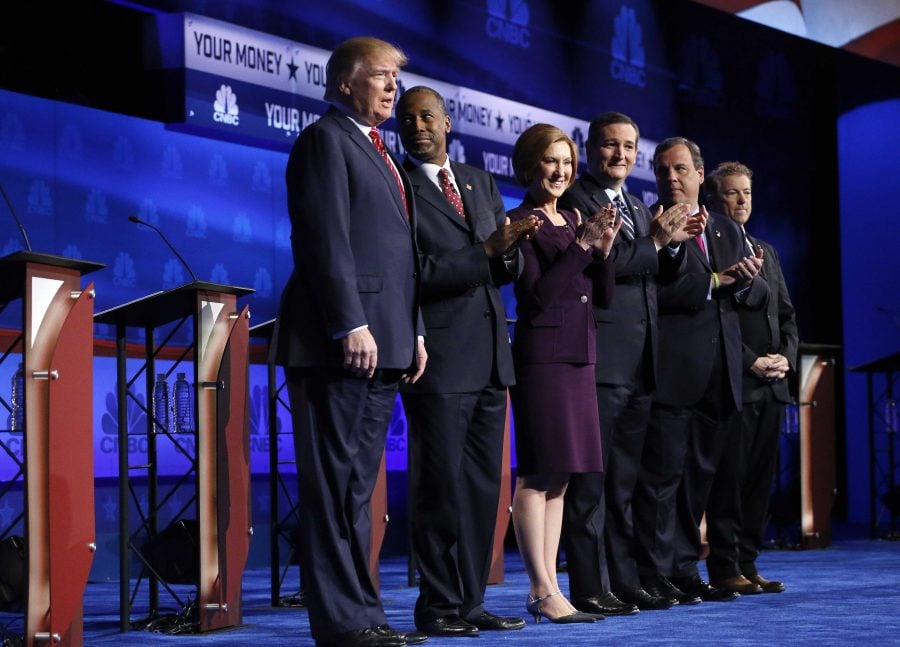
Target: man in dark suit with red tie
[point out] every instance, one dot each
(598, 532)
(770, 340)
(693, 419)
(457, 411)
(349, 330)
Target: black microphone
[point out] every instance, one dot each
(137, 220)
(16, 218)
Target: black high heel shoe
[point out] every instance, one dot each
(533, 606)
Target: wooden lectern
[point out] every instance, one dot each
(58, 470)
(817, 440)
(220, 466)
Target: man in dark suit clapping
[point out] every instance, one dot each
(456, 412)
(598, 531)
(770, 342)
(347, 333)
(693, 419)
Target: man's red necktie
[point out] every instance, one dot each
(699, 240)
(375, 136)
(450, 192)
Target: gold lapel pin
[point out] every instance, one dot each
(469, 187)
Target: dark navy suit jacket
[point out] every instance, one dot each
(460, 284)
(772, 330)
(690, 325)
(355, 256)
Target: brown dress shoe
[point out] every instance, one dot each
(768, 586)
(738, 584)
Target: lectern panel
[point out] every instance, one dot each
(234, 465)
(221, 333)
(71, 459)
(47, 303)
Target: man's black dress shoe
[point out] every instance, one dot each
(646, 602)
(695, 586)
(487, 621)
(768, 586)
(367, 637)
(606, 605)
(448, 627)
(660, 587)
(411, 637)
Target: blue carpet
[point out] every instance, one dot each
(848, 593)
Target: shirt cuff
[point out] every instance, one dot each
(341, 335)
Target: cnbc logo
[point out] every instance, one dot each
(508, 21)
(627, 49)
(225, 107)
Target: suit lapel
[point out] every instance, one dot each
(754, 243)
(598, 196)
(694, 247)
(468, 194)
(368, 149)
(714, 242)
(426, 191)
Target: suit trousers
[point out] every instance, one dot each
(710, 440)
(682, 452)
(598, 531)
(456, 452)
(340, 424)
(760, 435)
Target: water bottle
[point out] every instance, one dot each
(184, 408)
(792, 415)
(17, 415)
(161, 403)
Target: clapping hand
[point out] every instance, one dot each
(696, 224)
(668, 226)
(744, 270)
(599, 231)
(508, 237)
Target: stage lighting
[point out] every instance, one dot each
(12, 573)
(173, 553)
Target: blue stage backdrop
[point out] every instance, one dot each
(242, 78)
(76, 174)
(871, 286)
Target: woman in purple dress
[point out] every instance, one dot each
(554, 400)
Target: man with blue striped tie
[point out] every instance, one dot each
(598, 531)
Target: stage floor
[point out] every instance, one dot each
(848, 593)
